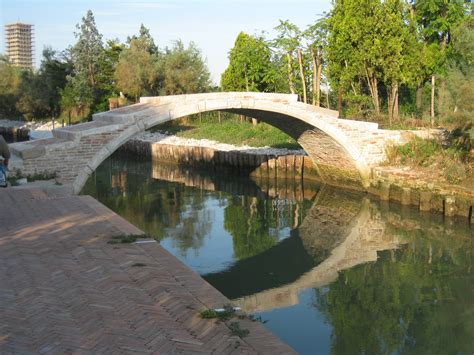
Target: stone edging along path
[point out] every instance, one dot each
(64, 289)
(387, 183)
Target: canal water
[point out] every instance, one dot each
(326, 270)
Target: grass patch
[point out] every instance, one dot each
(417, 152)
(13, 180)
(235, 329)
(123, 239)
(449, 161)
(226, 314)
(230, 130)
(32, 177)
(41, 176)
(127, 239)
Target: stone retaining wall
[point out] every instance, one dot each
(392, 184)
(253, 163)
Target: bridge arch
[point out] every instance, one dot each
(343, 151)
(326, 139)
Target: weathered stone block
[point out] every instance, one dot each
(425, 200)
(384, 191)
(449, 206)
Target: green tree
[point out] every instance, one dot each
(354, 46)
(316, 37)
(397, 62)
(436, 19)
(39, 92)
(88, 50)
(77, 97)
(250, 66)
(288, 41)
(183, 70)
(107, 81)
(460, 74)
(87, 55)
(374, 45)
(136, 71)
(54, 69)
(9, 89)
(32, 102)
(146, 39)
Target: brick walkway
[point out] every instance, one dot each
(63, 289)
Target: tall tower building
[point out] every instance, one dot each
(19, 44)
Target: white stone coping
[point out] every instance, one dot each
(220, 96)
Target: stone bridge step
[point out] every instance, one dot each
(85, 129)
(36, 148)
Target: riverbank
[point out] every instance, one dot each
(388, 183)
(66, 289)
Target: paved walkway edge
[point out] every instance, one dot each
(65, 289)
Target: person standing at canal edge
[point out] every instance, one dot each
(5, 154)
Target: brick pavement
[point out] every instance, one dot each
(64, 289)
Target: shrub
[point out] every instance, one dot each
(417, 152)
(449, 161)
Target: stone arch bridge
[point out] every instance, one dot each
(342, 150)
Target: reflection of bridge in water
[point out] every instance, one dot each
(290, 189)
(338, 233)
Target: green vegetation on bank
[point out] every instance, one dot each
(451, 161)
(230, 129)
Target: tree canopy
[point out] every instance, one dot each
(250, 66)
(374, 60)
(80, 80)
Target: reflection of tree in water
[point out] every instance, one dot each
(195, 222)
(248, 221)
(164, 208)
(255, 224)
(417, 299)
(151, 205)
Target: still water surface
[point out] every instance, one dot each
(328, 271)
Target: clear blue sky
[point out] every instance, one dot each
(212, 24)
